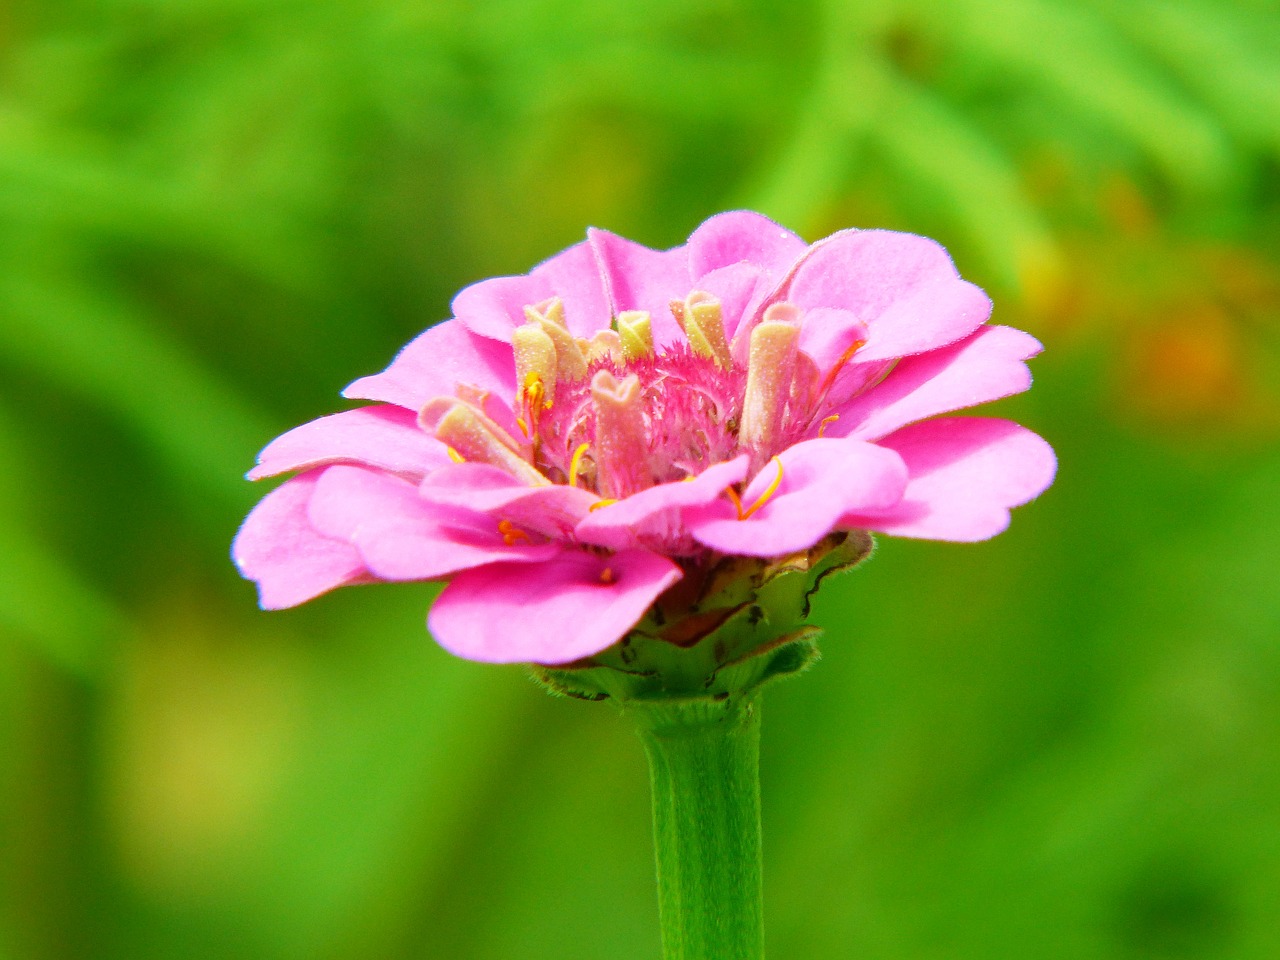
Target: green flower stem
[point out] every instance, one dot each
(704, 764)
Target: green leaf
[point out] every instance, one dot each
(101, 349)
(43, 600)
(1077, 58)
(1220, 55)
(946, 158)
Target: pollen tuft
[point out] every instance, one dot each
(511, 534)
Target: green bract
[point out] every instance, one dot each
(723, 634)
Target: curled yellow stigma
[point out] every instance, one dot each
(455, 456)
(575, 463)
(760, 500)
(511, 534)
(826, 421)
(535, 391)
(600, 504)
(533, 396)
(839, 364)
(532, 393)
(732, 494)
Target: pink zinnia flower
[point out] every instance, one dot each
(577, 441)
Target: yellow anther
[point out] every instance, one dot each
(761, 500)
(600, 504)
(533, 391)
(511, 534)
(455, 456)
(839, 364)
(606, 575)
(576, 462)
(533, 395)
(822, 427)
(535, 355)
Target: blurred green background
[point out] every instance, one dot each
(214, 214)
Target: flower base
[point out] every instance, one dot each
(725, 629)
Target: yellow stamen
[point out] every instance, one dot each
(822, 427)
(511, 534)
(606, 575)
(599, 504)
(732, 494)
(575, 462)
(532, 395)
(760, 500)
(533, 391)
(839, 364)
(455, 456)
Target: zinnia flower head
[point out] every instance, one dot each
(663, 448)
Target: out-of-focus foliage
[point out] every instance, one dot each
(215, 213)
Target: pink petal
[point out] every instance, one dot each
(826, 334)
(556, 612)
(551, 510)
(434, 363)
(386, 436)
(402, 537)
(965, 474)
(493, 308)
(639, 278)
(821, 480)
(903, 287)
(289, 559)
(741, 287)
(652, 517)
(729, 238)
(985, 366)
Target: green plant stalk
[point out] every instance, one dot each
(704, 765)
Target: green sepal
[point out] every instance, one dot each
(727, 628)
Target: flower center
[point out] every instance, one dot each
(615, 416)
(630, 424)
